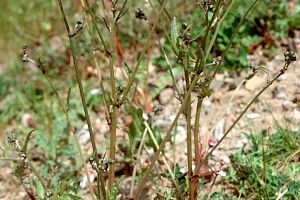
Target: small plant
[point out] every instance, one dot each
(268, 170)
(123, 76)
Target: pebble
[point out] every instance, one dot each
(95, 91)
(166, 95)
(206, 102)
(296, 114)
(160, 123)
(253, 115)
(84, 181)
(276, 93)
(298, 83)
(180, 135)
(83, 135)
(282, 78)
(219, 130)
(255, 83)
(280, 95)
(217, 96)
(286, 105)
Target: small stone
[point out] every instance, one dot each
(217, 96)
(83, 135)
(286, 105)
(91, 71)
(222, 173)
(276, 93)
(253, 115)
(219, 130)
(95, 91)
(206, 102)
(255, 83)
(84, 181)
(298, 83)
(282, 78)
(219, 77)
(296, 114)
(280, 95)
(166, 95)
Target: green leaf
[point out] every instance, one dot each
(127, 70)
(113, 193)
(137, 127)
(174, 33)
(149, 142)
(27, 140)
(39, 189)
(65, 197)
(69, 197)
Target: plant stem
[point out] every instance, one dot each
(196, 130)
(165, 31)
(98, 68)
(163, 158)
(194, 184)
(114, 115)
(138, 154)
(204, 46)
(74, 135)
(82, 95)
(234, 33)
(188, 117)
(166, 11)
(239, 117)
(162, 144)
(37, 174)
(107, 51)
(132, 78)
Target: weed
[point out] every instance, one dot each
(268, 169)
(193, 49)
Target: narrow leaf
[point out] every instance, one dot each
(26, 142)
(113, 193)
(39, 189)
(127, 70)
(174, 32)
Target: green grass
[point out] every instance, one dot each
(270, 167)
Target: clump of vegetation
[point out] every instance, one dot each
(269, 169)
(110, 47)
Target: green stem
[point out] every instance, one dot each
(97, 65)
(210, 25)
(82, 95)
(107, 51)
(188, 118)
(234, 33)
(166, 11)
(74, 135)
(132, 78)
(238, 118)
(114, 114)
(138, 154)
(196, 130)
(105, 12)
(165, 31)
(166, 138)
(37, 174)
